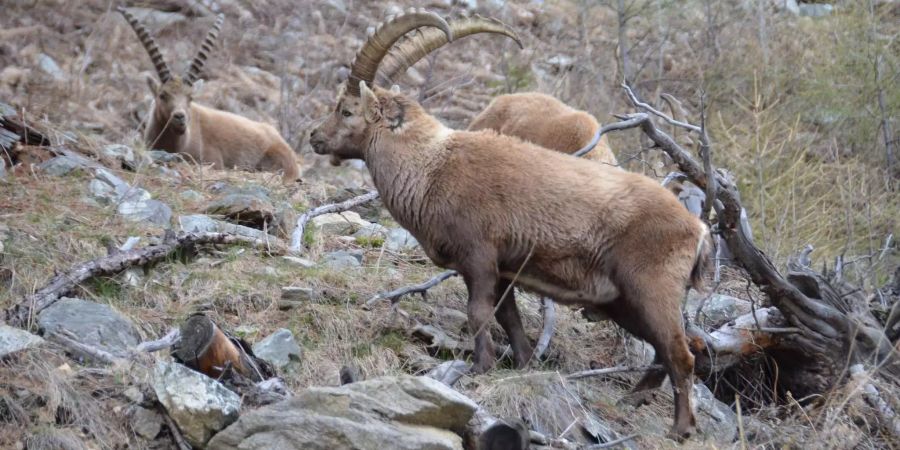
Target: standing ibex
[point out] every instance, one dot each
(177, 124)
(532, 116)
(502, 211)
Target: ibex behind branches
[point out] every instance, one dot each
(210, 136)
(502, 211)
(532, 116)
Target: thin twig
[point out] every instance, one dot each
(395, 295)
(610, 370)
(656, 112)
(548, 308)
(297, 235)
(170, 339)
(176, 433)
(612, 443)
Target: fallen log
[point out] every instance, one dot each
(297, 235)
(60, 285)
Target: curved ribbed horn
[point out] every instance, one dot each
(365, 65)
(413, 49)
(162, 69)
(196, 68)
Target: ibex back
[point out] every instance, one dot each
(501, 211)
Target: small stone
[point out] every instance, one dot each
(815, 9)
(134, 395)
(61, 165)
(49, 66)
(153, 211)
(400, 240)
(124, 154)
(718, 419)
(297, 293)
(280, 349)
(146, 422)
(14, 340)
(302, 262)
(245, 209)
(342, 260)
(161, 156)
(339, 224)
(191, 195)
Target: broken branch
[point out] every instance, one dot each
(297, 235)
(610, 370)
(548, 309)
(65, 283)
(395, 295)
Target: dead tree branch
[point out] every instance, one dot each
(421, 288)
(64, 283)
(297, 235)
(611, 370)
(548, 310)
(883, 410)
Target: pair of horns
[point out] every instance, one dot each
(162, 69)
(412, 50)
(378, 46)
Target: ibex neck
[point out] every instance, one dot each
(401, 167)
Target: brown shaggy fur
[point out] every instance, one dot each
(545, 121)
(489, 205)
(209, 135)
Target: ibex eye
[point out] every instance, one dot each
(346, 113)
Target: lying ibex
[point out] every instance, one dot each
(502, 211)
(534, 117)
(177, 124)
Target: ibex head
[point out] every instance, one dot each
(173, 93)
(344, 134)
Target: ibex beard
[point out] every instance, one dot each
(498, 209)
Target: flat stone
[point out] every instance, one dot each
(716, 418)
(146, 422)
(49, 66)
(342, 260)
(94, 324)
(191, 195)
(279, 349)
(403, 412)
(339, 224)
(61, 165)
(152, 211)
(400, 240)
(244, 209)
(14, 340)
(297, 293)
(199, 405)
(302, 262)
(125, 155)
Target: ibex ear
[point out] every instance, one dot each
(370, 105)
(154, 86)
(393, 111)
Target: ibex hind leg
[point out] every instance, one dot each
(653, 313)
(509, 318)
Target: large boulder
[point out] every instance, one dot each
(402, 412)
(94, 324)
(199, 405)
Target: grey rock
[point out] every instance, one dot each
(372, 230)
(199, 405)
(102, 192)
(400, 240)
(716, 418)
(2, 170)
(191, 195)
(153, 211)
(402, 412)
(718, 308)
(172, 175)
(302, 262)
(147, 423)
(339, 224)
(49, 66)
(815, 9)
(298, 293)
(342, 260)
(162, 156)
(792, 7)
(280, 349)
(245, 209)
(449, 372)
(14, 340)
(125, 155)
(94, 324)
(61, 165)
(134, 395)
